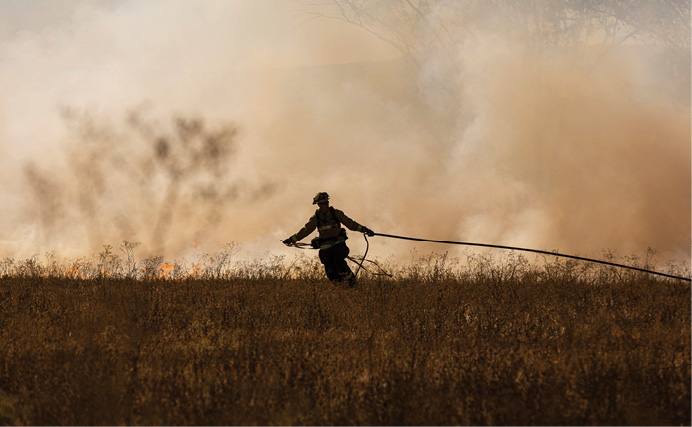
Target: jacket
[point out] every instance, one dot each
(330, 231)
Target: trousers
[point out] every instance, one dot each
(334, 260)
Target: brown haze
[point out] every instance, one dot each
(179, 126)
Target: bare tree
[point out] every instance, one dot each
(412, 26)
(193, 158)
(138, 178)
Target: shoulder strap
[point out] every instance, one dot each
(331, 211)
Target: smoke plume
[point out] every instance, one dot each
(184, 125)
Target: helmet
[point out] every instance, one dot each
(320, 197)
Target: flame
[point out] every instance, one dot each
(75, 271)
(167, 270)
(108, 272)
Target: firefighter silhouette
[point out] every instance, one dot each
(331, 240)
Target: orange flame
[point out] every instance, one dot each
(75, 271)
(167, 270)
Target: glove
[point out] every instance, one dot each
(368, 231)
(288, 242)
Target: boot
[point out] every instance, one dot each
(351, 280)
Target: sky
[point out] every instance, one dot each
(107, 110)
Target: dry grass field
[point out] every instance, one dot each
(491, 341)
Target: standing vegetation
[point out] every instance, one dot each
(495, 342)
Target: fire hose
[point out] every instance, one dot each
(359, 262)
(514, 248)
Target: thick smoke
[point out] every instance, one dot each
(218, 122)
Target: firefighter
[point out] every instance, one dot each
(332, 238)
